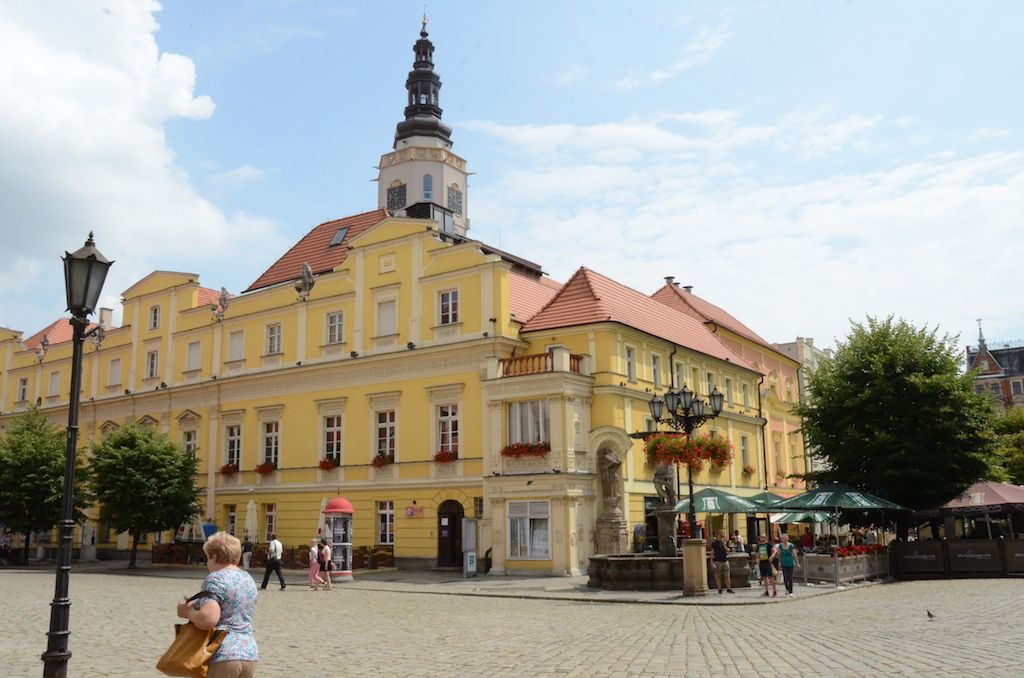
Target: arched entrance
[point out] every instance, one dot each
(449, 534)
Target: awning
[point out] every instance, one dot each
(710, 500)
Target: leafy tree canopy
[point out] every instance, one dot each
(891, 413)
(143, 482)
(1009, 430)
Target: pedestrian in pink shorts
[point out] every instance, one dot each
(314, 566)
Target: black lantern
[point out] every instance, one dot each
(671, 402)
(717, 401)
(84, 273)
(656, 406)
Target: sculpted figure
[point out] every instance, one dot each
(665, 484)
(610, 464)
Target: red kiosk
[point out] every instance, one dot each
(338, 531)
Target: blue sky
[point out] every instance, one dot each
(799, 163)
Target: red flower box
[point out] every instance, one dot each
(669, 448)
(228, 469)
(266, 468)
(446, 456)
(526, 449)
(329, 463)
(382, 460)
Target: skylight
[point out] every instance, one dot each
(339, 236)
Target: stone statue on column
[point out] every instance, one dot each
(611, 525)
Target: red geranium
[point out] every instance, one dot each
(526, 449)
(692, 452)
(329, 463)
(446, 456)
(266, 468)
(228, 469)
(382, 460)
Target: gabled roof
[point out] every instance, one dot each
(315, 249)
(528, 294)
(590, 297)
(56, 332)
(689, 303)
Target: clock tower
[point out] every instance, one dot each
(422, 176)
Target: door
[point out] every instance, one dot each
(449, 534)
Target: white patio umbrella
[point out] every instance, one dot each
(251, 524)
(322, 521)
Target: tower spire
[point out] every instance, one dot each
(981, 337)
(423, 109)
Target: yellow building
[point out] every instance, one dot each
(383, 343)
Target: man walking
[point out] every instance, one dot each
(246, 553)
(274, 553)
(720, 560)
(762, 555)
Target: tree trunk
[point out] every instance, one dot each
(28, 543)
(135, 550)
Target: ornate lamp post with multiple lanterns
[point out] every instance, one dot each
(84, 273)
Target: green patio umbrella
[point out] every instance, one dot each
(801, 517)
(766, 498)
(833, 498)
(710, 500)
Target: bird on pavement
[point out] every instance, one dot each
(930, 615)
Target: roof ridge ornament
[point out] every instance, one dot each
(423, 29)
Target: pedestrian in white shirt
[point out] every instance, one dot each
(274, 552)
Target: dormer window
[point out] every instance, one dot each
(339, 236)
(154, 317)
(428, 188)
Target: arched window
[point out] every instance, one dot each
(428, 187)
(154, 317)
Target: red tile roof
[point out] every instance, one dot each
(528, 294)
(316, 250)
(590, 297)
(56, 332)
(692, 305)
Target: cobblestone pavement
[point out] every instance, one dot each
(120, 625)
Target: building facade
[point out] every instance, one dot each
(424, 376)
(998, 371)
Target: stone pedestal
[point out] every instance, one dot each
(666, 532)
(611, 534)
(695, 569)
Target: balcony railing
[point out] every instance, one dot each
(537, 363)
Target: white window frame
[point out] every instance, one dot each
(152, 364)
(390, 326)
(630, 363)
(154, 317)
(335, 323)
(529, 421)
(193, 356)
(745, 451)
(270, 518)
(190, 440)
(114, 372)
(231, 522)
(656, 370)
(233, 444)
(236, 345)
(448, 428)
(728, 391)
(386, 521)
(448, 307)
(333, 436)
(746, 395)
(54, 385)
(428, 188)
(678, 370)
(529, 522)
(270, 447)
(22, 389)
(385, 432)
(273, 334)
(1017, 388)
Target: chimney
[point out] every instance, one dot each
(106, 318)
(688, 288)
(670, 280)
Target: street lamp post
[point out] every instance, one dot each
(685, 412)
(84, 273)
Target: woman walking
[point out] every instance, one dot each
(788, 562)
(326, 564)
(314, 566)
(229, 605)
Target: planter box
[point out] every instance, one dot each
(823, 568)
(525, 464)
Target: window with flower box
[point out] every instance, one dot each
(529, 530)
(332, 438)
(386, 433)
(271, 442)
(233, 444)
(386, 522)
(744, 451)
(528, 422)
(448, 428)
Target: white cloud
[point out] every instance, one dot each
(246, 174)
(569, 75)
(83, 100)
(698, 51)
(935, 239)
(989, 133)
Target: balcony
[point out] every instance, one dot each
(540, 363)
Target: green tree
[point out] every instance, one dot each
(143, 482)
(32, 475)
(892, 413)
(1009, 430)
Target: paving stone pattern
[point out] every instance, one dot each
(120, 624)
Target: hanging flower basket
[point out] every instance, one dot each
(329, 463)
(749, 470)
(266, 468)
(665, 448)
(526, 449)
(446, 456)
(228, 469)
(382, 460)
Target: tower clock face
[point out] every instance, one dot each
(455, 199)
(396, 197)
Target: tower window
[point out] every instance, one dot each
(428, 187)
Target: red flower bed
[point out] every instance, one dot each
(665, 448)
(228, 469)
(446, 456)
(859, 550)
(329, 463)
(526, 450)
(382, 460)
(266, 468)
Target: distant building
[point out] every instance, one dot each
(998, 371)
(809, 356)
